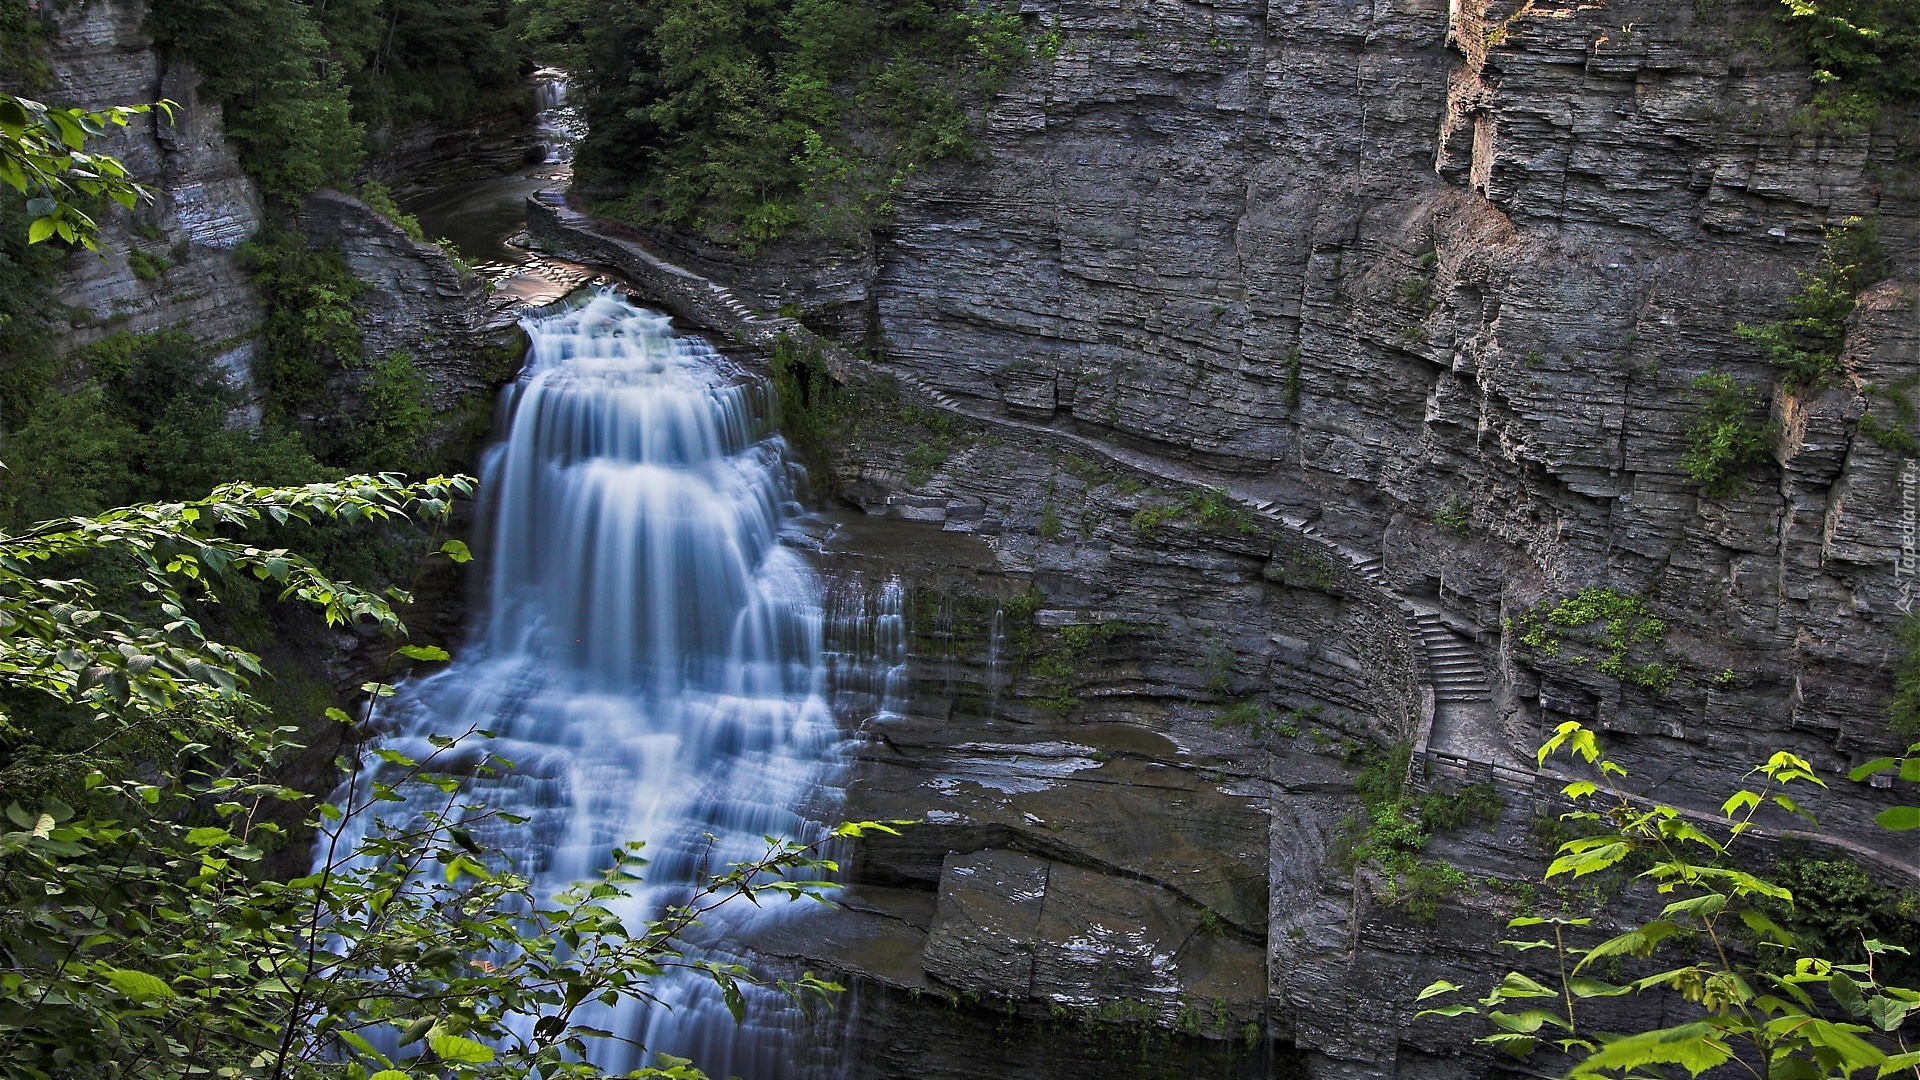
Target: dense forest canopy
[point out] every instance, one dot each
(741, 119)
(304, 84)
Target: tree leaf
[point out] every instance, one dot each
(456, 1049)
(1516, 985)
(1877, 765)
(1899, 818)
(426, 653)
(1693, 1047)
(138, 985)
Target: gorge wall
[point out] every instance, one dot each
(1499, 280)
(1424, 288)
(171, 263)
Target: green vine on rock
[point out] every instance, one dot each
(1610, 624)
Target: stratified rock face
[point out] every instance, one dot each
(417, 302)
(1314, 244)
(1379, 262)
(185, 273)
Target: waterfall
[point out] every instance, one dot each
(653, 659)
(557, 120)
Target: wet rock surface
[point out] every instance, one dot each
(204, 206)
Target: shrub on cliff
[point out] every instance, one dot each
(1726, 437)
(1865, 53)
(301, 84)
(266, 63)
(1806, 345)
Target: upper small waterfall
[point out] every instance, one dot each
(652, 658)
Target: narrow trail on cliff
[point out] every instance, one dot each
(1457, 730)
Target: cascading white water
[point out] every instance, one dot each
(652, 659)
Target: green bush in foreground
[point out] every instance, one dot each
(139, 938)
(1746, 993)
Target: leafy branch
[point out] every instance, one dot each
(1761, 1018)
(43, 156)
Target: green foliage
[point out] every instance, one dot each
(1865, 53)
(24, 32)
(1903, 705)
(1837, 906)
(820, 416)
(409, 60)
(145, 266)
(1726, 438)
(1058, 667)
(1295, 382)
(924, 458)
(1895, 435)
(1623, 626)
(28, 310)
(1218, 665)
(131, 418)
(377, 196)
(1213, 509)
(1254, 718)
(812, 408)
(143, 940)
(1303, 569)
(741, 119)
(1796, 1013)
(1898, 818)
(309, 335)
(302, 83)
(395, 414)
(43, 156)
(1807, 344)
(157, 666)
(266, 63)
(1050, 527)
(1455, 515)
(1398, 826)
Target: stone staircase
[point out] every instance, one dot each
(1458, 674)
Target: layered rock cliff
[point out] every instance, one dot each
(1423, 288)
